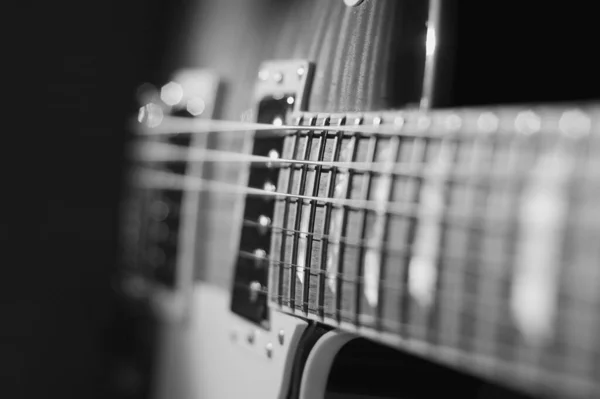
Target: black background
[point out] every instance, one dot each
(70, 73)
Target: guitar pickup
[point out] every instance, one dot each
(159, 223)
(281, 90)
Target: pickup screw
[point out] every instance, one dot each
(264, 222)
(300, 71)
(263, 74)
(251, 336)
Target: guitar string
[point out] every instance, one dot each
(425, 125)
(349, 279)
(385, 248)
(173, 125)
(337, 129)
(446, 259)
(340, 165)
(163, 152)
(156, 179)
(460, 310)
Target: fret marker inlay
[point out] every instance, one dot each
(341, 187)
(542, 215)
(422, 267)
(381, 193)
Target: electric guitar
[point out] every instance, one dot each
(327, 202)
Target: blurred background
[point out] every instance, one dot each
(72, 71)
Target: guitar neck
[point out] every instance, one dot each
(472, 238)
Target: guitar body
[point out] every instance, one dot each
(211, 357)
(339, 65)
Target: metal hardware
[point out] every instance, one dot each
(269, 350)
(255, 288)
(352, 3)
(281, 90)
(259, 257)
(269, 187)
(264, 222)
(251, 337)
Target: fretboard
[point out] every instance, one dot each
(472, 239)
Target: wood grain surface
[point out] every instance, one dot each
(366, 59)
(371, 58)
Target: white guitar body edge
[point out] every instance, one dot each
(217, 354)
(319, 362)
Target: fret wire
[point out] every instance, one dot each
(286, 212)
(571, 232)
(311, 226)
(470, 278)
(344, 218)
(298, 216)
(479, 221)
(434, 316)
(527, 354)
(395, 145)
(424, 259)
(450, 188)
(581, 214)
(576, 192)
(417, 145)
(592, 149)
(365, 191)
(562, 318)
(325, 240)
(282, 233)
(325, 226)
(472, 241)
(513, 160)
